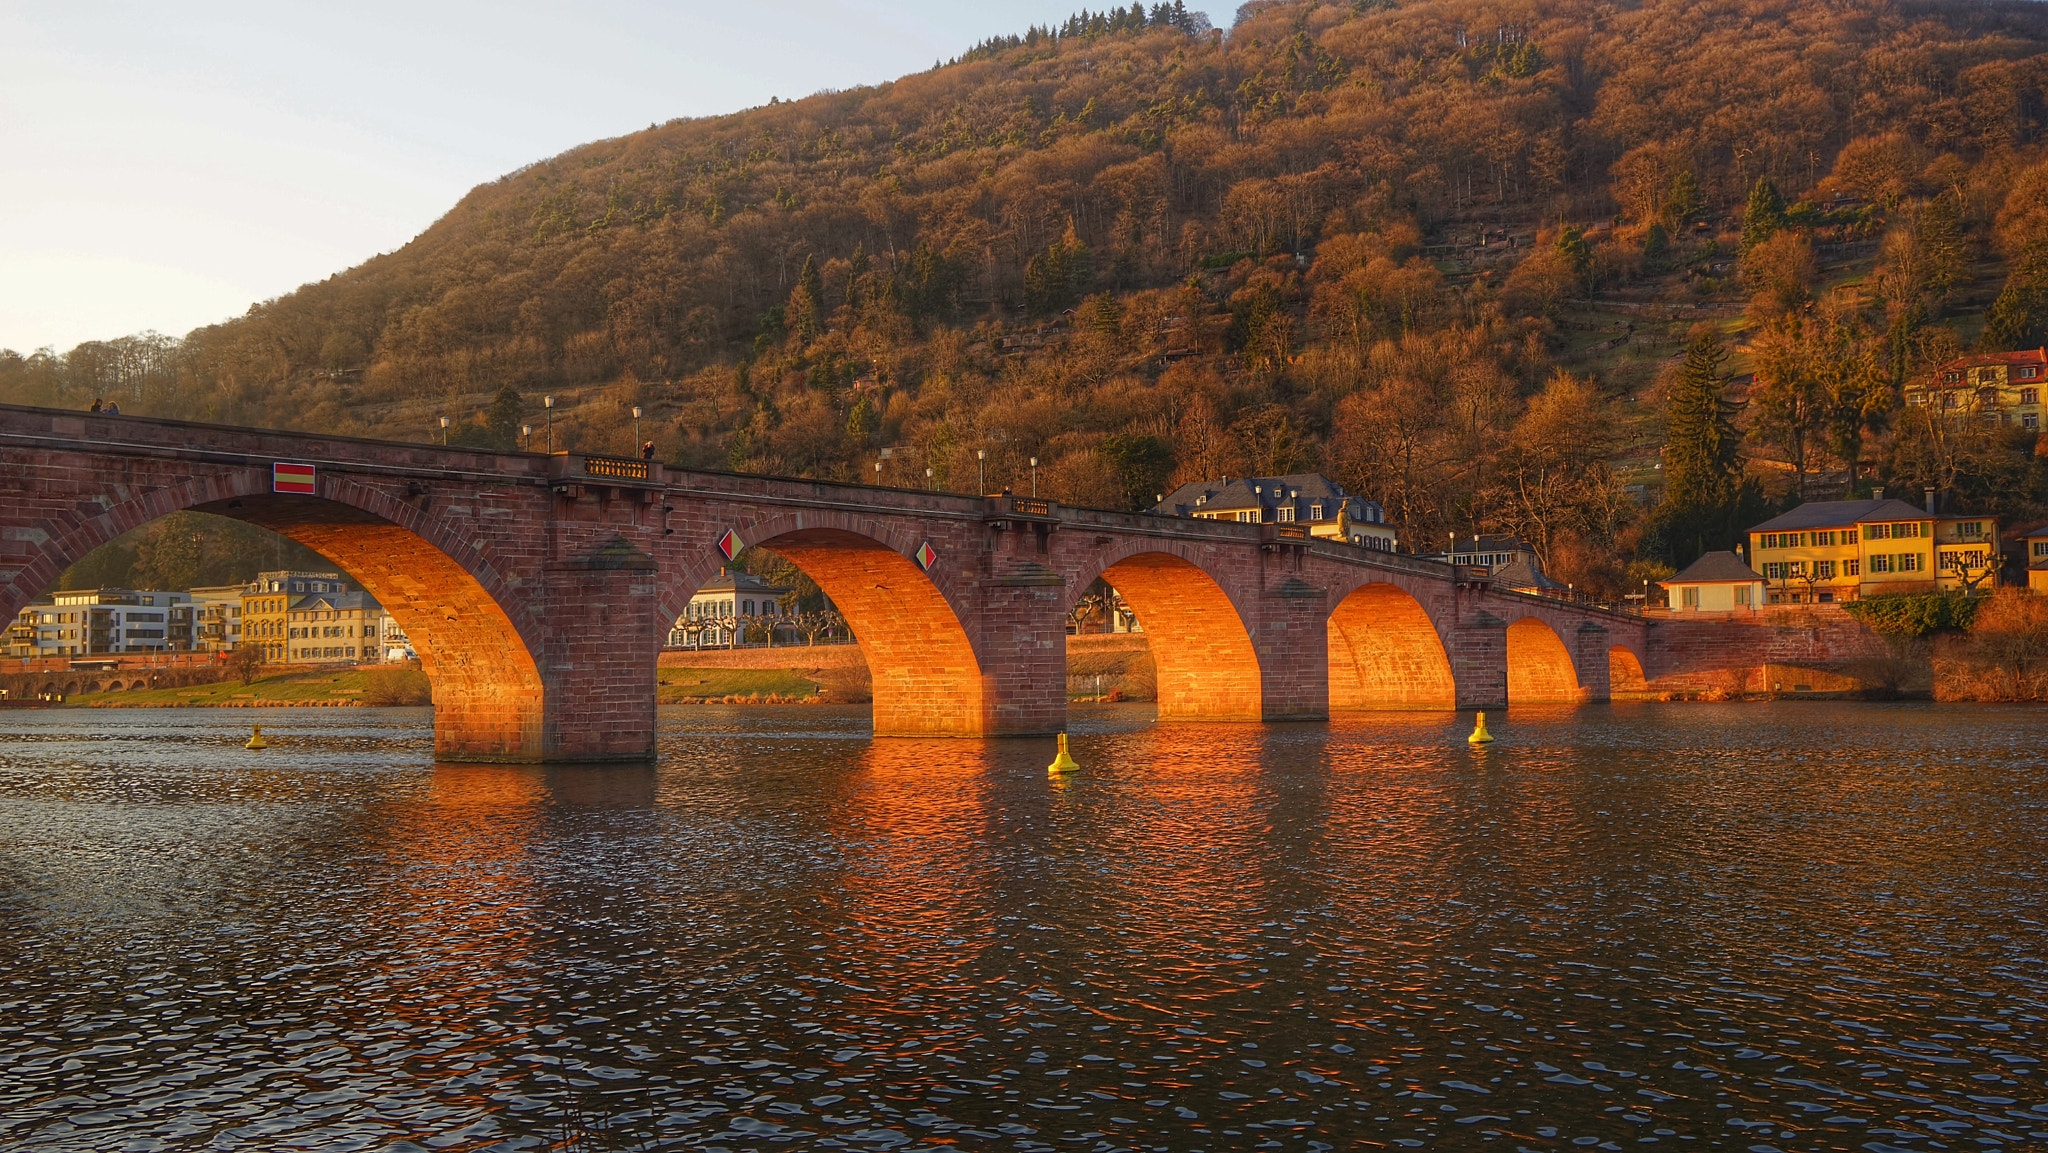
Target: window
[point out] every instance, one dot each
(1950, 400)
(1286, 512)
(2041, 548)
(1244, 517)
(1824, 539)
(1876, 531)
(1824, 570)
(1952, 377)
(1315, 512)
(1909, 562)
(1987, 376)
(1774, 570)
(2029, 371)
(2030, 421)
(1690, 596)
(2030, 395)
(1880, 563)
(1851, 567)
(1742, 594)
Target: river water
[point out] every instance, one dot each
(1749, 926)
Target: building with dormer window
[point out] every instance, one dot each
(1311, 500)
(2002, 387)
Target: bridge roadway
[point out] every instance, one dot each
(537, 588)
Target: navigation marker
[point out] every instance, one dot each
(925, 556)
(293, 478)
(729, 544)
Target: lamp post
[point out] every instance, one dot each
(1034, 476)
(548, 402)
(636, 428)
(928, 478)
(980, 473)
(444, 430)
(878, 474)
(525, 438)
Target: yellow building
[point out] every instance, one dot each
(1718, 582)
(267, 602)
(2036, 544)
(334, 628)
(2005, 387)
(1839, 550)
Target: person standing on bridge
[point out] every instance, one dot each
(113, 408)
(647, 451)
(96, 404)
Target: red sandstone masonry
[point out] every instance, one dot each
(537, 602)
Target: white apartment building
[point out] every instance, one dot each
(89, 622)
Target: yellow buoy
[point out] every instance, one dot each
(1479, 735)
(256, 740)
(1064, 763)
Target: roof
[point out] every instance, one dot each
(342, 602)
(1249, 492)
(1716, 568)
(742, 582)
(2036, 534)
(1522, 574)
(1979, 359)
(1836, 513)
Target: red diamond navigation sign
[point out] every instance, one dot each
(293, 478)
(729, 544)
(925, 556)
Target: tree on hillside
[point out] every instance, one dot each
(1764, 216)
(1705, 497)
(805, 309)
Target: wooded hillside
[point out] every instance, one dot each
(1449, 251)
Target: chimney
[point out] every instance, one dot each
(1877, 494)
(1930, 502)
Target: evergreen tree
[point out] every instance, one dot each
(1702, 445)
(501, 420)
(1686, 201)
(803, 314)
(1706, 503)
(855, 269)
(1765, 214)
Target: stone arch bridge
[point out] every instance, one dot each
(537, 589)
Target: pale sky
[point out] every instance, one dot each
(168, 165)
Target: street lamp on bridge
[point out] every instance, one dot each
(636, 428)
(525, 438)
(980, 473)
(1034, 476)
(444, 431)
(548, 402)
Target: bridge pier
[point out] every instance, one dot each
(1293, 642)
(1590, 642)
(1024, 655)
(597, 672)
(1478, 649)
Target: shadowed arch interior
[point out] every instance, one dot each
(487, 686)
(1207, 668)
(927, 678)
(1539, 667)
(1625, 672)
(1385, 653)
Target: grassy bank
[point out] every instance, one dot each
(675, 686)
(347, 687)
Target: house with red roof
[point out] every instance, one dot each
(2005, 387)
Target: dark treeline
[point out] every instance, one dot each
(1143, 251)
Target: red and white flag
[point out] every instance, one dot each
(293, 478)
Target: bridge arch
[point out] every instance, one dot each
(1625, 671)
(1207, 667)
(1385, 652)
(1540, 669)
(927, 674)
(430, 577)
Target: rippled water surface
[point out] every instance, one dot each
(1756, 927)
